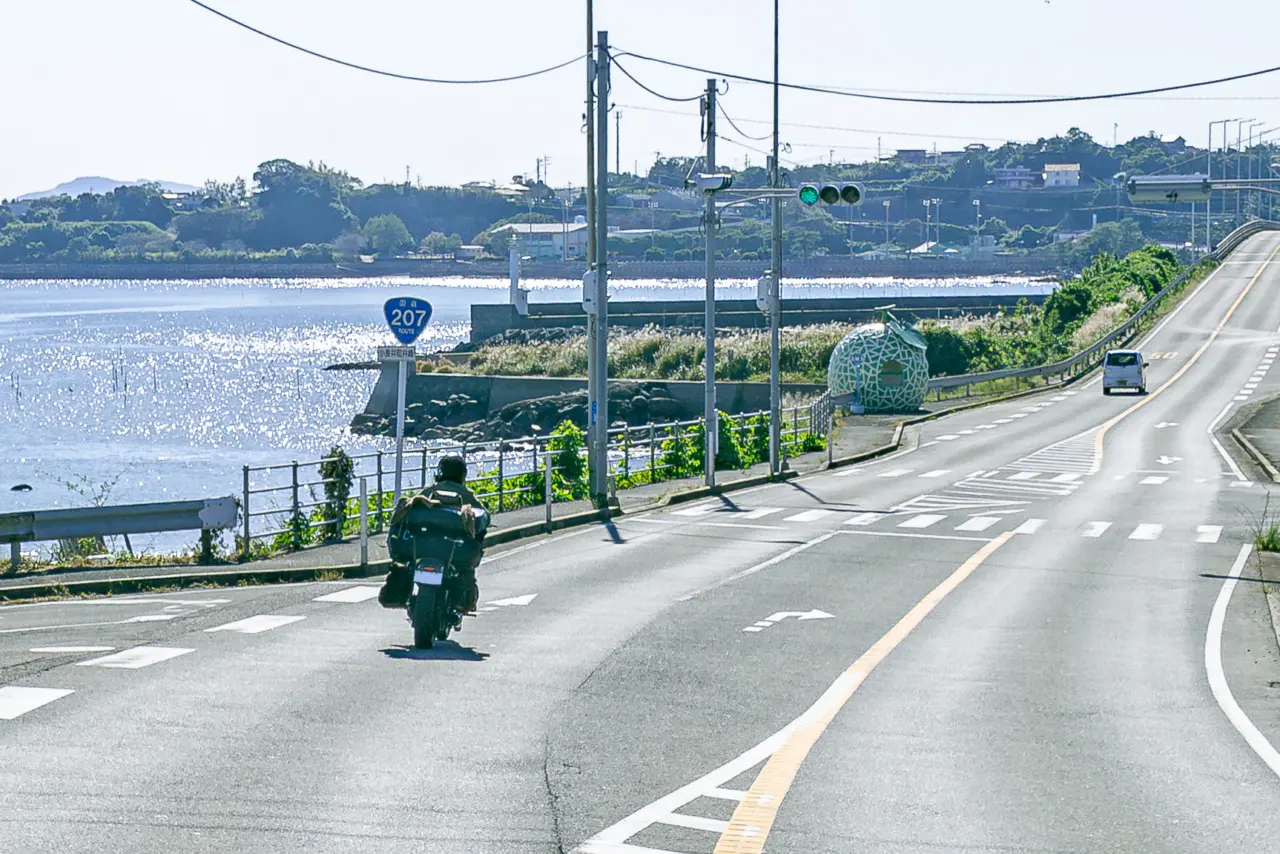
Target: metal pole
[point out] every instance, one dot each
(296, 509)
(775, 286)
(709, 322)
(598, 415)
(364, 522)
(244, 508)
(589, 119)
(378, 495)
(404, 371)
(547, 496)
(15, 555)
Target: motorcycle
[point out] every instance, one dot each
(432, 611)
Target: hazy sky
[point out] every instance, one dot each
(163, 89)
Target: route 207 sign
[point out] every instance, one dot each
(407, 317)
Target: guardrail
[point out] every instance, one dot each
(1088, 358)
(206, 515)
(286, 504)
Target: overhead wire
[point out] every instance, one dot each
(652, 92)
(381, 72)
(862, 94)
(740, 131)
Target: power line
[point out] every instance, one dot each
(824, 90)
(740, 131)
(618, 66)
(379, 71)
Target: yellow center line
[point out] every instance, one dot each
(1102, 431)
(754, 816)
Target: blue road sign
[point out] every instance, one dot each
(407, 317)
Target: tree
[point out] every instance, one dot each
(655, 253)
(438, 243)
(387, 235)
(300, 204)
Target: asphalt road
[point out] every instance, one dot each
(1019, 634)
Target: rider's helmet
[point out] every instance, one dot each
(452, 469)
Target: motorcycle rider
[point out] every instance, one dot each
(451, 510)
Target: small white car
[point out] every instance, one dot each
(1124, 369)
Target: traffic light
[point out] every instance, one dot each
(831, 194)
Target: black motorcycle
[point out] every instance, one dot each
(433, 611)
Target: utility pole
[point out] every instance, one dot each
(589, 119)
(598, 367)
(617, 142)
(775, 286)
(710, 416)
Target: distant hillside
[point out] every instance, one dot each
(98, 184)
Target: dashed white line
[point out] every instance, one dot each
(810, 515)
(259, 623)
(136, 658)
(978, 523)
(1095, 529)
(349, 594)
(924, 520)
(1147, 531)
(936, 473)
(1208, 533)
(1068, 477)
(16, 700)
(58, 649)
(1029, 527)
(1153, 480)
(897, 472)
(760, 512)
(866, 518)
(948, 437)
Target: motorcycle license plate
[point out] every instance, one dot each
(433, 577)
(1123, 382)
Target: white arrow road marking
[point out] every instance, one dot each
(514, 600)
(1164, 424)
(15, 701)
(815, 614)
(1168, 461)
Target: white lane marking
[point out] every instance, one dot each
(648, 520)
(1171, 315)
(747, 525)
(1153, 480)
(924, 520)
(1069, 477)
(1246, 392)
(1208, 533)
(1251, 385)
(964, 432)
(985, 427)
(1018, 415)
(866, 518)
(1024, 475)
(16, 700)
(760, 512)
(56, 649)
(1222, 452)
(695, 822)
(256, 624)
(725, 794)
(1240, 397)
(1242, 484)
(948, 437)
(810, 515)
(751, 570)
(136, 658)
(1095, 529)
(754, 629)
(935, 473)
(1059, 397)
(916, 536)
(1147, 531)
(978, 523)
(697, 510)
(927, 444)
(1070, 393)
(1004, 421)
(897, 472)
(350, 594)
(1218, 679)
(1029, 527)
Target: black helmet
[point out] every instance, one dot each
(452, 469)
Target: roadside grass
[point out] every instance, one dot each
(1264, 527)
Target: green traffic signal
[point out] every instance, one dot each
(809, 194)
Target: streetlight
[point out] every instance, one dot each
(1208, 170)
(937, 219)
(977, 222)
(886, 224)
(1239, 139)
(927, 221)
(1253, 196)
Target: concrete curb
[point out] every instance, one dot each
(1257, 456)
(231, 578)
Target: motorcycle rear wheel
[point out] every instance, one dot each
(424, 618)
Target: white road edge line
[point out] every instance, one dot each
(1235, 469)
(1218, 679)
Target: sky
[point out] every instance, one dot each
(162, 89)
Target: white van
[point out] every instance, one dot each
(1124, 369)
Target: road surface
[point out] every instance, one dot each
(1021, 633)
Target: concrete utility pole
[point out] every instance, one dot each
(617, 142)
(710, 415)
(598, 369)
(775, 286)
(589, 119)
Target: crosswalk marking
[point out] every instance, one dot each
(698, 510)
(257, 624)
(924, 520)
(948, 437)
(897, 472)
(866, 518)
(809, 516)
(1017, 415)
(1024, 475)
(1208, 533)
(936, 473)
(760, 512)
(16, 700)
(1242, 484)
(349, 594)
(978, 523)
(1004, 420)
(1029, 527)
(1146, 531)
(136, 658)
(1095, 529)
(1153, 480)
(1067, 477)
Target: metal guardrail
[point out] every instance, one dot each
(1087, 358)
(286, 503)
(205, 515)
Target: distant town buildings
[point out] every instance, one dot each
(1013, 178)
(1057, 175)
(548, 239)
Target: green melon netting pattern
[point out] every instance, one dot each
(892, 370)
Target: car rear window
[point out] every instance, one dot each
(1122, 360)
